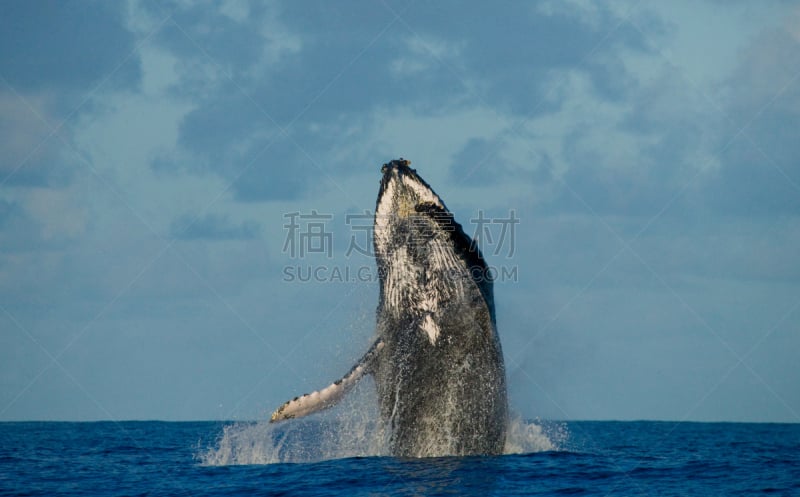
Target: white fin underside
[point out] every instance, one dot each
(330, 395)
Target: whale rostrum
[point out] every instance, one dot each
(436, 360)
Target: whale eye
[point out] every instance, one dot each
(426, 207)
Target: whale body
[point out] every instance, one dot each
(436, 359)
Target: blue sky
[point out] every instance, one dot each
(151, 150)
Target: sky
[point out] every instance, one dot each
(185, 191)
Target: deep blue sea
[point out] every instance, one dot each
(214, 458)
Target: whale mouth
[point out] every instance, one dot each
(403, 195)
(402, 190)
(414, 232)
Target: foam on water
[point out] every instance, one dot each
(349, 430)
(525, 437)
(352, 429)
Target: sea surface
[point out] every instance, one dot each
(318, 458)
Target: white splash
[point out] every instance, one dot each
(349, 430)
(525, 437)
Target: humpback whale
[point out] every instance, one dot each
(436, 360)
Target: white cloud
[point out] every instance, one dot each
(431, 140)
(159, 70)
(104, 233)
(120, 142)
(767, 70)
(423, 53)
(62, 213)
(588, 12)
(238, 10)
(25, 125)
(279, 42)
(793, 23)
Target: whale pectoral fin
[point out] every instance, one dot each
(330, 395)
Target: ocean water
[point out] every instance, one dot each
(318, 457)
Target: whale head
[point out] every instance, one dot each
(424, 257)
(404, 199)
